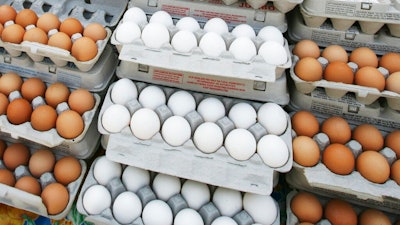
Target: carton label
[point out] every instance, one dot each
(216, 84)
(365, 10)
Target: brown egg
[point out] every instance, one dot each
(10, 82)
(393, 82)
(55, 197)
(372, 217)
(338, 71)
(3, 147)
(48, 21)
(306, 207)
(7, 13)
(305, 223)
(337, 129)
(392, 141)
(69, 124)
(7, 177)
(13, 33)
(1, 29)
(71, 26)
(395, 171)
(95, 31)
(339, 159)
(81, 100)
(340, 212)
(305, 123)
(390, 61)
(41, 161)
(36, 35)
(56, 93)
(32, 88)
(60, 40)
(67, 170)
(306, 151)
(373, 166)
(29, 184)
(43, 118)
(84, 49)
(306, 48)
(364, 56)
(308, 69)
(369, 137)
(16, 154)
(19, 111)
(335, 53)
(370, 77)
(3, 104)
(26, 17)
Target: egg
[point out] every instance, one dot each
(184, 41)
(181, 103)
(3, 104)
(135, 14)
(306, 207)
(29, 184)
(176, 130)
(243, 115)
(243, 30)
(69, 124)
(7, 177)
(243, 49)
(10, 82)
(145, 123)
(208, 137)
(13, 33)
(308, 69)
(48, 21)
(395, 171)
(55, 197)
(273, 150)
(392, 140)
(306, 48)
(273, 118)
(339, 71)
(135, 178)
(16, 154)
(334, 53)
(115, 118)
(95, 31)
(337, 129)
(36, 35)
(96, 199)
(271, 33)
(211, 109)
(67, 169)
(105, 170)
(224, 220)
(81, 100)
(369, 76)
(157, 212)
(187, 23)
(152, 96)
(41, 161)
(26, 17)
(1, 29)
(126, 207)
(3, 147)
(306, 151)
(43, 118)
(71, 26)
(305, 123)
(123, 91)
(262, 208)
(162, 17)
(60, 40)
(340, 212)
(212, 44)
(339, 159)
(364, 56)
(195, 193)
(84, 49)
(373, 166)
(165, 186)
(155, 35)
(373, 216)
(32, 88)
(240, 144)
(390, 61)
(228, 201)
(369, 137)
(393, 82)
(56, 93)
(19, 111)
(278, 58)
(216, 25)
(188, 215)
(127, 32)
(8, 13)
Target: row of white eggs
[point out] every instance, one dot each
(127, 204)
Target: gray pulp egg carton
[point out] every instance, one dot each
(208, 211)
(350, 39)
(251, 175)
(371, 15)
(23, 200)
(282, 6)
(234, 14)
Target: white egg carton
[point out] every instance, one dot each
(24, 200)
(251, 175)
(370, 15)
(350, 39)
(282, 6)
(234, 14)
(208, 211)
(95, 80)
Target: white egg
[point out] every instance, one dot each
(145, 123)
(212, 44)
(228, 201)
(162, 17)
(243, 115)
(224, 220)
(155, 35)
(96, 199)
(271, 33)
(243, 49)
(273, 150)
(165, 186)
(184, 41)
(211, 109)
(181, 103)
(273, 118)
(240, 144)
(127, 32)
(208, 137)
(195, 193)
(278, 58)
(115, 118)
(188, 216)
(262, 208)
(127, 207)
(157, 212)
(123, 91)
(188, 23)
(216, 25)
(176, 130)
(105, 170)
(135, 178)
(243, 30)
(136, 15)
(152, 97)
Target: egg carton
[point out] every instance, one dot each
(208, 211)
(24, 200)
(234, 14)
(251, 175)
(325, 35)
(95, 80)
(282, 6)
(371, 16)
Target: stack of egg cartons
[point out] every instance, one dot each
(48, 69)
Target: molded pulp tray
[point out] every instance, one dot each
(283, 6)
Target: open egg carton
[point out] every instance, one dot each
(371, 15)
(234, 14)
(175, 199)
(249, 174)
(350, 39)
(283, 6)
(21, 199)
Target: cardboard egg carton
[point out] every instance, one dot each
(251, 175)
(234, 14)
(24, 200)
(208, 211)
(282, 6)
(350, 39)
(371, 16)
